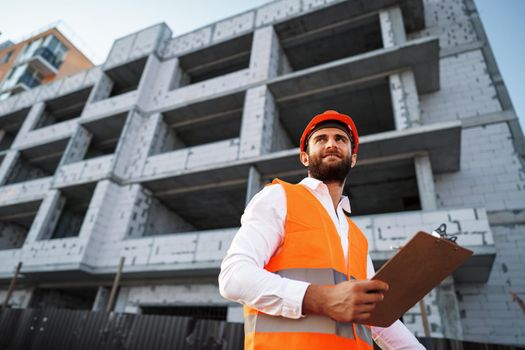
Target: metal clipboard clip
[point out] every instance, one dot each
(441, 232)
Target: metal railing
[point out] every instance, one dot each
(76, 329)
(28, 80)
(83, 329)
(48, 55)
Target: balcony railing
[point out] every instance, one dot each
(44, 61)
(28, 80)
(48, 55)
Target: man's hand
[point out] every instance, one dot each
(350, 301)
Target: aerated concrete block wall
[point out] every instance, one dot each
(482, 201)
(492, 172)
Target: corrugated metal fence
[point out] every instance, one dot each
(73, 329)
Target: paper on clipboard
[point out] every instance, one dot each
(419, 266)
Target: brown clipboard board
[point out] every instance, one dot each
(419, 266)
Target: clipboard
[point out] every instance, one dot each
(419, 266)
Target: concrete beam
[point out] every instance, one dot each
(421, 55)
(441, 141)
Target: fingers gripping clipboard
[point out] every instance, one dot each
(419, 266)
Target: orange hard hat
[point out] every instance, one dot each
(330, 115)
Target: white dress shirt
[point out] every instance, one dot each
(243, 278)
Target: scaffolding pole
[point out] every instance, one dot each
(12, 285)
(424, 318)
(114, 288)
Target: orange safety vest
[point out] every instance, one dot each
(311, 252)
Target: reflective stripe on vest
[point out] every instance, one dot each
(311, 251)
(312, 323)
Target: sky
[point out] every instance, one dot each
(97, 23)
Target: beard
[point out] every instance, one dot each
(330, 172)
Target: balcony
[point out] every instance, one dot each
(37, 161)
(63, 108)
(10, 124)
(203, 122)
(73, 208)
(173, 201)
(15, 222)
(45, 61)
(214, 61)
(25, 82)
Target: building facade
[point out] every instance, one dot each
(40, 59)
(153, 155)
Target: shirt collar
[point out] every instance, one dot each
(319, 186)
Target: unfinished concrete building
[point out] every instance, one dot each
(153, 155)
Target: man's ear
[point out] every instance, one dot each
(303, 157)
(354, 159)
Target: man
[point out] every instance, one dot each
(299, 265)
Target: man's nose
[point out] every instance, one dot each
(331, 143)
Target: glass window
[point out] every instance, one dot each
(30, 49)
(56, 47)
(7, 56)
(13, 76)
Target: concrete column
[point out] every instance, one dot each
(164, 138)
(7, 165)
(46, 215)
(447, 301)
(55, 211)
(258, 122)
(392, 27)
(254, 183)
(127, 144)
(403, 91)
(170, 76)
(133, 147)
(3, 135)
(77, 147)
(442, 310)
(405, 100)
(267, 59)
(98, 210)
(147, 82)
(425, 182)
(101, 89)
(30, 122)
(121, 302)
(101, 300)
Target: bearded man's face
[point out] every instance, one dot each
(329, 155)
